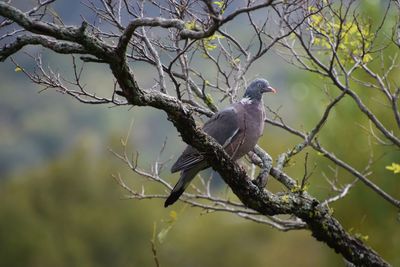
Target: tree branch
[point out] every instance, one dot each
(57, 46)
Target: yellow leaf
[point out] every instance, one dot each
(220, 4)
(361, 237)
(395, 168)
(18, 69)
(191, 25)
(209, 99)
(367, 58)
(210, 47)
(312, 9)
(173, 215)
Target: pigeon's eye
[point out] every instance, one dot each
(259, 85)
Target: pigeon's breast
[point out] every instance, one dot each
(251, 125)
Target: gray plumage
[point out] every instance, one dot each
(237, 128)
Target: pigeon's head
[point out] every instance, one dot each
(256, 88)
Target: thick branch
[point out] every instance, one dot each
(153, 22)
(180, 25)
(72, 34)
(57, 46)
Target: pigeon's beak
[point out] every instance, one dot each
(270, 89)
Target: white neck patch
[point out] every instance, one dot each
(246, 101)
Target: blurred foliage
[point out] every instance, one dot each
(70, 213)
(355, 37)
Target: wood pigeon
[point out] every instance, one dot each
(237, 128)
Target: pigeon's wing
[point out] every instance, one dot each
(189, 158)
(223, 127)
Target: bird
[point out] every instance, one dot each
(236, 128)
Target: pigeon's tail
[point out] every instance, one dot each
(185, 179)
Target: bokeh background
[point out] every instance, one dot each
(59, 205)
